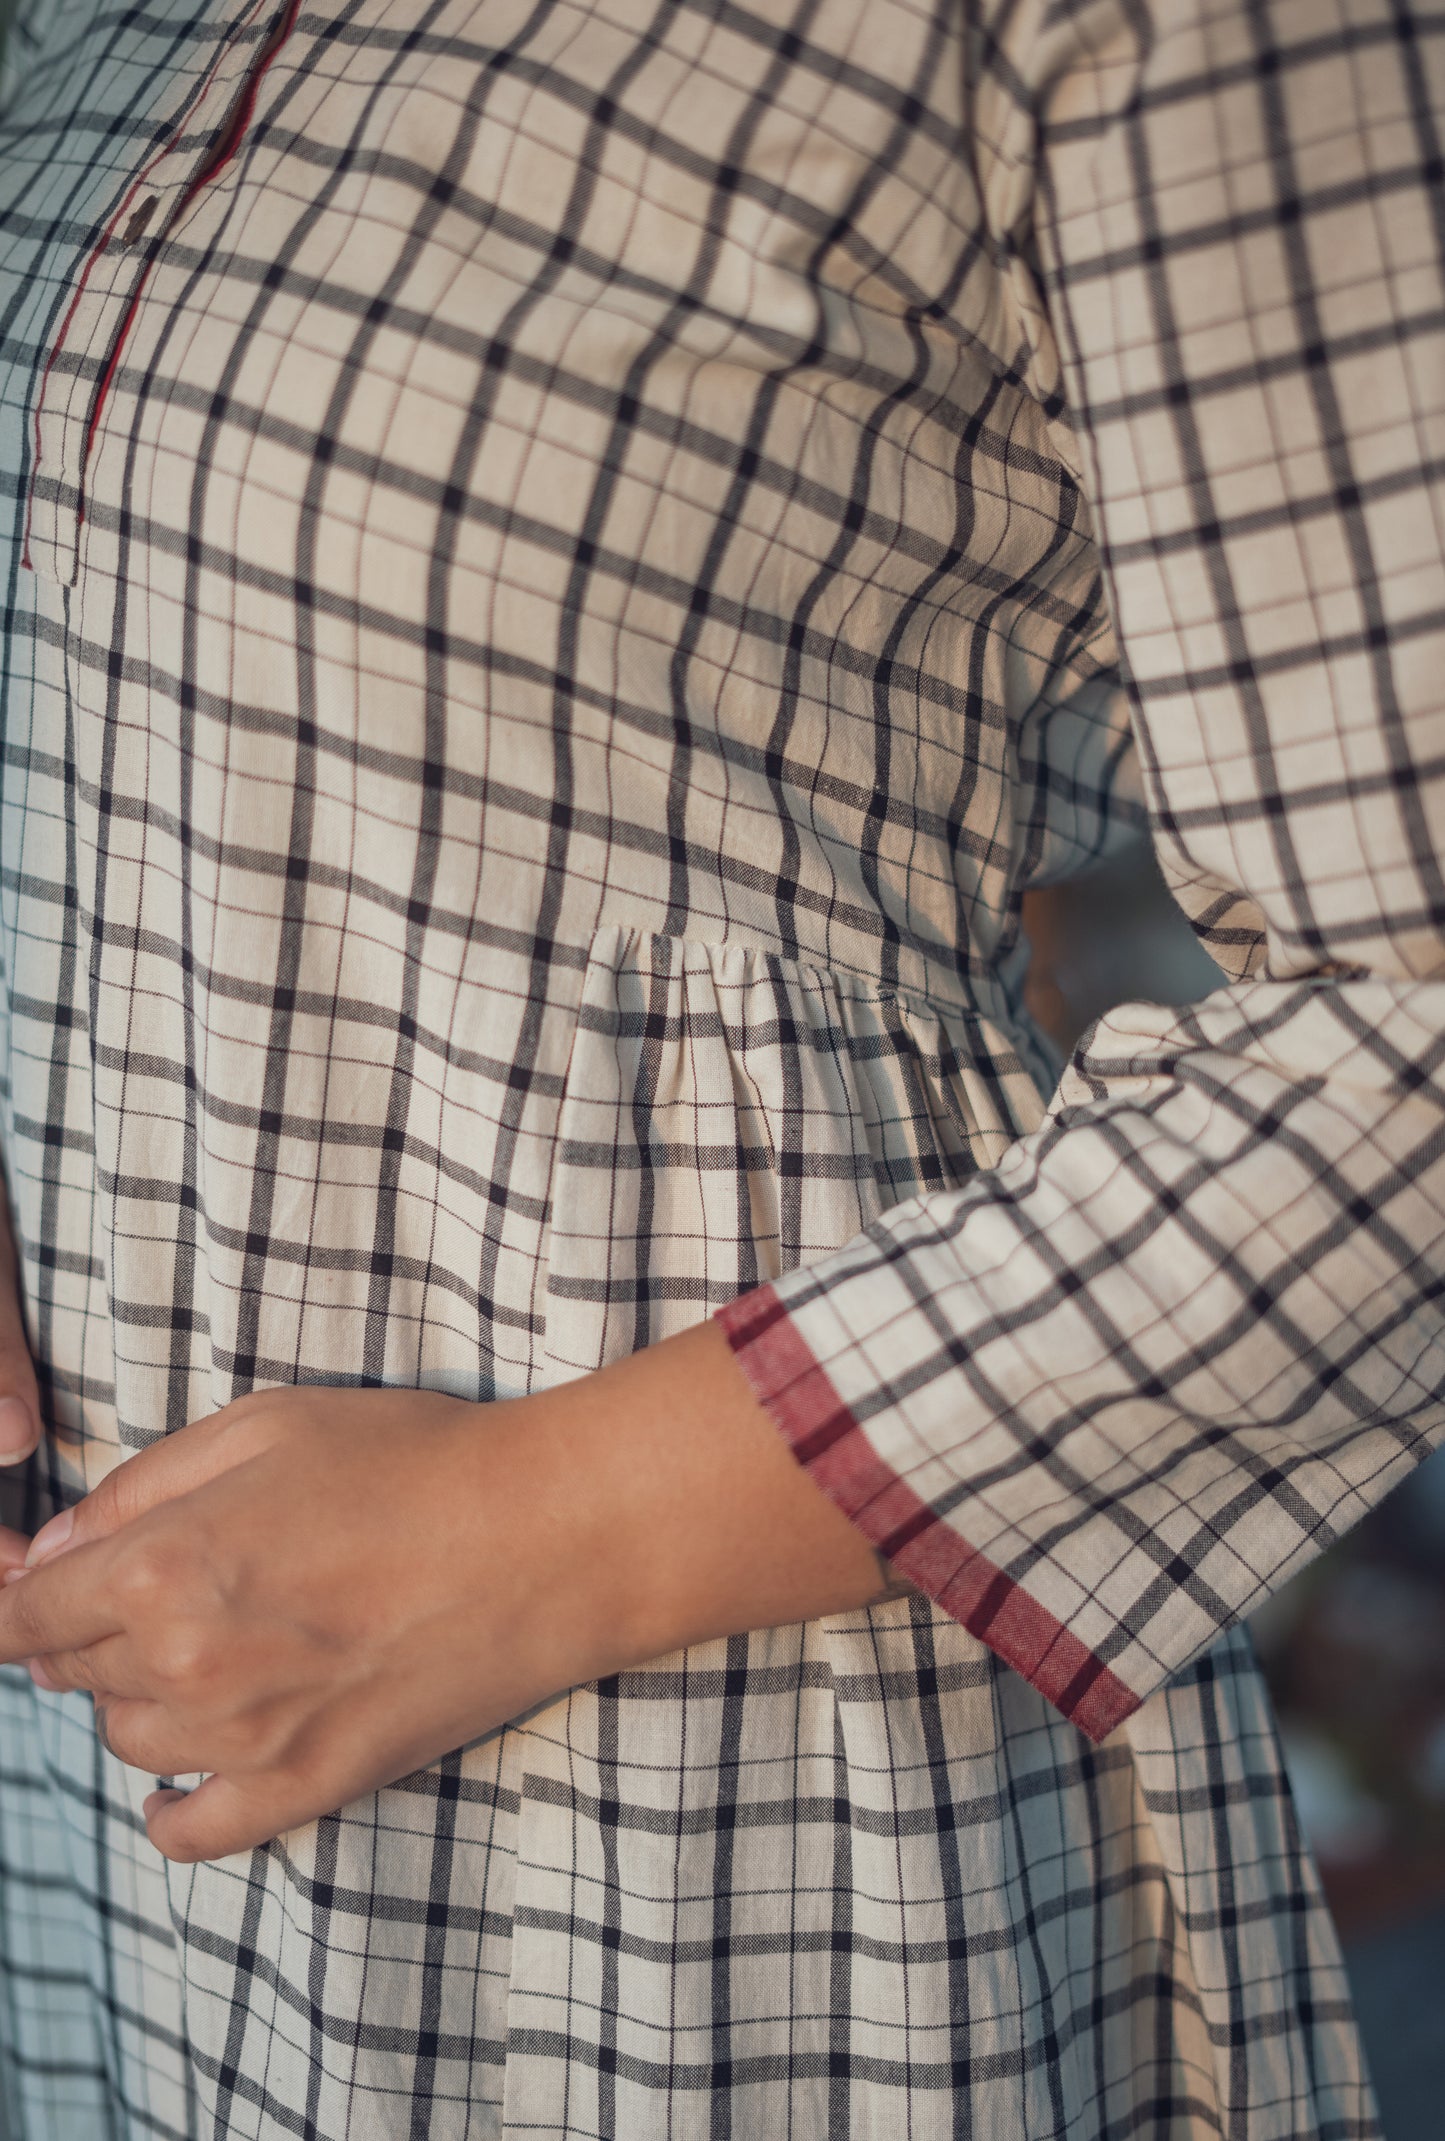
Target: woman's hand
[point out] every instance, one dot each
(307, 1595)
(315, 1592)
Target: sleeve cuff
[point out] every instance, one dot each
(831, 1446)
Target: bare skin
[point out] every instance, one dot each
(314, 1592)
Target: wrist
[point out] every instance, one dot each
(547, 1574)
(699, 1521)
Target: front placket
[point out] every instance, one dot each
(94, 328)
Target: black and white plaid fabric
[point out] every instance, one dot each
(566, 563)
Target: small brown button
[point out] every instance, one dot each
(137, 224)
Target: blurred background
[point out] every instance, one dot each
(1354, 1648)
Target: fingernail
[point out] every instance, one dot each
(41, 1678)
(14, 1575)
(51, 1538)
(18, 1431)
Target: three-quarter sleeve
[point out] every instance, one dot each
(1103, 1400)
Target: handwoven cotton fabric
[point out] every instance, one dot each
(566, 564)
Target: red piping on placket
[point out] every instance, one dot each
(242, 113)
(59, 343)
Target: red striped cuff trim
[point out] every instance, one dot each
(830, 1445)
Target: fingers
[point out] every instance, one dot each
(65, 1607)
(106, 1669)
(19, 1398)
(220, 1817)
(140, 1735)
(167, 1469)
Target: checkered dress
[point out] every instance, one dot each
(566, 563)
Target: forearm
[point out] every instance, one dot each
(693, 1516)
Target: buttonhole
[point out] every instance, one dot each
(137, 224)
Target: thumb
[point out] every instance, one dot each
(171, 1467)
(19, 1397)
